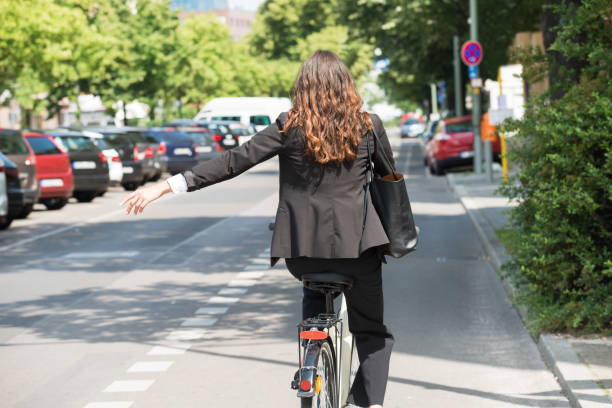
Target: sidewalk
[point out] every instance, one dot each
(583, 366)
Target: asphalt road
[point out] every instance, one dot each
(178, 308)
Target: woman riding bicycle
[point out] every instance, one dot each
(320, 225)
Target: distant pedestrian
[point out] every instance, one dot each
(319, 223)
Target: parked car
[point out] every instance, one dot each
(176, 148)
(206, 148)
(89, 165)
(4, 219)
(153, 162)
(411, 128)
(53, 170)
(129, 154)
(430, 130)
(14, 191)
(115, 168)
(13, 145)
(221, 134)
(453, 145)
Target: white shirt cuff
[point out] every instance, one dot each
(178, 184)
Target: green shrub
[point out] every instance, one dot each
(563, 257)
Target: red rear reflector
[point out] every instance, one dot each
(136, 153)
(313, 335)
(217, 138)
(162, 148)
(305, 385)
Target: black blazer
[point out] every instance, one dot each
(320, 210)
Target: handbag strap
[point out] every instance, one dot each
(382, 151)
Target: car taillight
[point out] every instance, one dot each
(1, 167)
(217, 138)
(149, 152)
(136, 152)
(116, 159)
(12, 173)
(162, 148)
(102, 157)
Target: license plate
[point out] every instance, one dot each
(51, 183)
(182, 151)
(204, 149)
(83, 165)
(465, 155)
(229, 142)
(128, 170)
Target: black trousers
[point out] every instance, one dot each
(365, 315)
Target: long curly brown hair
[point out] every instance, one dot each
(327, 107)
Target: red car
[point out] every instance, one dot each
(453, 145)
(53, 171)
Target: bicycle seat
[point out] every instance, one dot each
(327, 282)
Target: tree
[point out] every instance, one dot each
(416, 36)
(292, 30)
(563, 147)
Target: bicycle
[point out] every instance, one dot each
(328, 360)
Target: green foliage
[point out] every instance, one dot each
(292, 30)
(416, 36)
(564, 150)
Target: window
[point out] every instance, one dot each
(229, 118)
(12, 143)
(459, 127)
(76, 143)
(260, 120)
(43, 146)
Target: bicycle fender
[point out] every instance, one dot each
(308, 370)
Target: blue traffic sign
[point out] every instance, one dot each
(472, 71)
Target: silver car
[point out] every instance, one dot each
(3, 197)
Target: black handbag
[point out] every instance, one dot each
(390, 199)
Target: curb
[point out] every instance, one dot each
(556, 351)
(567, 367)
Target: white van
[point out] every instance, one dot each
(257, 111)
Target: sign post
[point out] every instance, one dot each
(471, 53)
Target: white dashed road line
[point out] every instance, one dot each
(129, 386)
(185, 335)
(169, 350)
(198, 322)
(150, 366)
(211, 310)
(232, 291)
(222, 300)
(242, 282)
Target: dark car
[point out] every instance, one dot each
(89, 165)
(15, 193)
(53, 170)
(206, 148)
(150, 153)
(176, 148)
(221, 133)
(129, 154)
(13, 145)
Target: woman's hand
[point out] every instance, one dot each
(140, 198)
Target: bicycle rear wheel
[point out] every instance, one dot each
(326, 370)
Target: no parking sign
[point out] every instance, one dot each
(471, 53)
